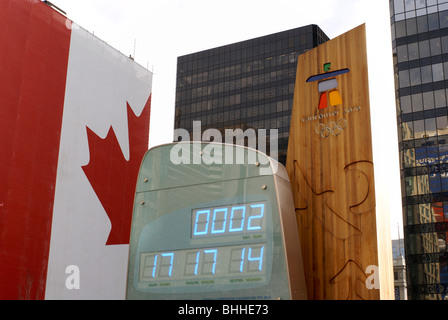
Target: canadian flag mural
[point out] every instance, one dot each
(74, 126)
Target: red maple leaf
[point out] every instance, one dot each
(113, 177)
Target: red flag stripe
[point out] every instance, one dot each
(33, 69)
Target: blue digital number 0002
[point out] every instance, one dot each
(228, 220)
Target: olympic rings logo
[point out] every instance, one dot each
(331, 128)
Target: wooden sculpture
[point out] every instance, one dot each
(330, 165)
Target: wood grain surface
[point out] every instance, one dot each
(330, 164)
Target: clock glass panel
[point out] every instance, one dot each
(207, 231)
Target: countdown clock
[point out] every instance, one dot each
(213, 230)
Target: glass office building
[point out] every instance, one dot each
(420, 48)
(245, 85)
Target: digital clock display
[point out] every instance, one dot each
(211, 231)
(227, 245)
(224, 263)
(228, 220)
(228, 263)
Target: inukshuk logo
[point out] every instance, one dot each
(329, 97)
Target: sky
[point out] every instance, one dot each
(155, 33)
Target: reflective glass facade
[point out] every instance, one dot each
(420, 48)
(246, 85)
